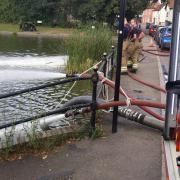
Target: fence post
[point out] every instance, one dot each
(105, 63)
(95, 79)
(112, 62)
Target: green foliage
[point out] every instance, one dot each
(9, 149)
(102, 10)
(134, 8)
(97, 133)
(56, 12)
(7, 13)
(33, 139)
(86, 47)
(29, 10)
(84, 131)
(87, 131)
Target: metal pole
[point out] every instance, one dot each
(105, 63)
(122, 4)
(95, 79)
(60, 81)
(174, 66)
(112, 63)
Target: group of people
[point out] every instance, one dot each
(132, 45)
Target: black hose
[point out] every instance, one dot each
(75, 103)
(43, 86)
(82, 100)
(57, 111)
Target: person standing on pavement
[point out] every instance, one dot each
(125, 46)
(135, 37)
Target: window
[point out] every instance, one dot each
(169, 30)
(162, 30)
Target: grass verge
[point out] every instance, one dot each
(14, 28)
(9, 28)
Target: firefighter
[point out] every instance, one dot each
(135, 37)
(125, 46)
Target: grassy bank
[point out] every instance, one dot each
(86, 47)
(9, 27)
(14, 28)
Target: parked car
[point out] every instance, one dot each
(27, 26)
(157, 33)
(165, 38)
(152, 29)
(160, 32)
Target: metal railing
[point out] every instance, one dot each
(106, 66)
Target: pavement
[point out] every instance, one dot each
(133, 153)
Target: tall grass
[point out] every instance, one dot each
(86, 47)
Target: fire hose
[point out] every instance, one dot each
(123, 111)
(156, 54)
(45, 121)
(82, 103)
(157, 50)
(112, 85)
(140, 118)
(146, 83)
(133, 102)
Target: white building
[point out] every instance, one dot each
(162, 16)
(155, 17)
(169, 12)
(159, 13)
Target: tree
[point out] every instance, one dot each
(105, 10)
(6, 12)
(50, 11)
(29, 10)
(135, 8)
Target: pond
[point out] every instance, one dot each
(27, 62)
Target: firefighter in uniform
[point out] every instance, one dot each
(125, 46)
(132, 47)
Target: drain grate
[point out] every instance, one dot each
(65, 175)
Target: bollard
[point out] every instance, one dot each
(95, 79)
